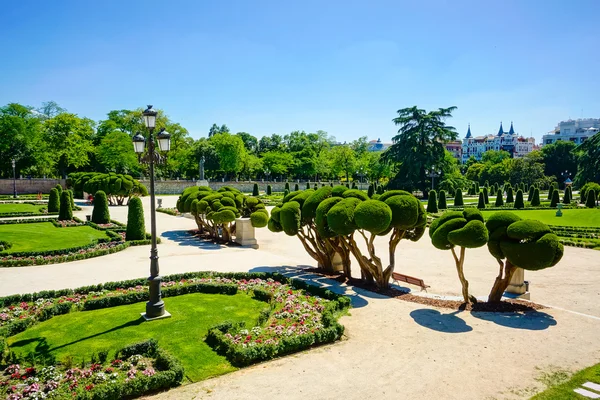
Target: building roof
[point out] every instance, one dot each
(469, 132)
(500, 131)
(511, 131)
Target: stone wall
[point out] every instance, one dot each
(29, 186)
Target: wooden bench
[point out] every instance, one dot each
(409, 279)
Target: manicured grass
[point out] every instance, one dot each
(571, 217)
(20, 207)
(565, 390)
(80, 334)
(44, 236)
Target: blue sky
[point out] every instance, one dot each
(341, 66)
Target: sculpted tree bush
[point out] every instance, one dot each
(481, 201)
(535, 201)
(442, 204)
(458, 198)
(518, 243)
(499, 199)
(54, 201)
(432, 206)
(117, 187)
(519, 200)
(464, 229)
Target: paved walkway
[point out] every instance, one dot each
(393, 349)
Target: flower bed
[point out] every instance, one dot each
(136, 369)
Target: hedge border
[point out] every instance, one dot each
(169, 211)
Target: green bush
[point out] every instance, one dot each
(373, 216)
(458, 198)
(54, 201)
(269, 190)
(136, 229)
(519, 200)
(405, 211)
(290, 217)
(555, 198)
(499, 199)
(72, 199)
(442, 205)
(359, 194)
(590, 200)
(338, 191)
(509, 195)
(371, 191)
(66, 212)
(432, 206)
(259, 219)
(340, 217)
(100, 213)
(481, 202)
(550, 191)
(380, 190)
(530, 195)
(255, 190)
(60, 189)
(307, 185)
(588, 186)
(296, 187)
(535, 201)
(285, 193)
(287, 186)
(485, 195)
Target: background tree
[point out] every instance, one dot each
(419, 145)
(215, 130)
(343, 161)
(588, 161)
(231, 152)
(250, 142)
(115, 153)
(559, 157)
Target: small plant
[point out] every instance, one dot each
(54, 201)
(555, 199)
(509, 195)
(519, 204)
(485, 195)
(432, 206)
(66, 212)
(590, 200)
(481, 202)
(269, 190)
(100, 213)
(255, 190)
(136, 229)
(535, 201)
(458, 198)
(499, 199)
(442, 201)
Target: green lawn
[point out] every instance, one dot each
(44, 236)
(565, 390)
(20, 207)
(80, 334)
(571, 217)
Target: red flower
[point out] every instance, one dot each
(89, 387)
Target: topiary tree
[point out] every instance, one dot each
(518, 243)
(530, 195)
(54, 201)
(60, 189)
(371, 191)
(269, 190)
(286, 192)
(492, 191)
(458, 198)
(590, 200)
(117, 187)
(567, 196)
(555, 198)
(499, 199)
(481, 202)
(476, 187)
(550, 191)
(432, 206)
(585, 188)
(464, 229)
(255, 190)
(287, 186)
(296, 187)
(136, 227)
(100, 213)
(510, 195)
(519, 204)
(66, 212)
(307, 185)
(72, 200)
(485, 195)
(535, 201)
(442, 201)
(380, 190)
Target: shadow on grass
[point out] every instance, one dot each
(533, 320)
(447, 323)
(357, 295)
(184, 238)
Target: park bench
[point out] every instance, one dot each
(410, 280)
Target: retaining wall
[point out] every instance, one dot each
(29, 186)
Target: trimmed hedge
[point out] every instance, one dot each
(432, 206)
(519, 204)
(590, 200)
(136, 228)
(458, 198)
(100, 214)
(66, 212)
(255, 190)
(54, 201)
(442, 204)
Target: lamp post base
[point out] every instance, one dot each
(155, 310)
(166, 314)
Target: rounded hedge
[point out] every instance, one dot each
(321, 216)
(259, 219)
(226, 201)
(136, 229)
(359, 194)
(309, 208)
(100, 213)
(289, 217)
(54, 201)
(405, 211)
(338, 190)
(340, 217)
(66, 212)
(373, 216)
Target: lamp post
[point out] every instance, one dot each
(14, 162)
(433, 174)
(155, 307)
(567, 176)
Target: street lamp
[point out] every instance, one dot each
(433, 174)
(14, 162)
(155, 307)
(567, 177)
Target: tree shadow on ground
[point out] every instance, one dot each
(447, 323)
(357, 296)
(184, 238)
(533, 320)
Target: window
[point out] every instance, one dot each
(548, 141)
(566, 130)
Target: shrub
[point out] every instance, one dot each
(307, 185)
(371, 191)
(287, 186)
(499, 199)
(481, 202)
(373, 216)
(136, 229)
(380, 190)
(590, 200)
(458, 198)
(442, 201)
(509, 195)
(66, 212)
(550, 191)
(485, 195)
(100, 213)
(519, 200)
(584, 189)
(290, 218)
(285, 193)
(59, 189)
(269, 190)
(535, 201)
(555, 198)
(255, 190)
(72, 199)
(530, 195)
(259, 219)
(296, 188)
(432, 206)
(54, 201)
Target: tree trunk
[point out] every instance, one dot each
(460, 261)
(502, 280)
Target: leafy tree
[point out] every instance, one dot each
(559, 157)
(231, 151)
(116, 154)
(419, 145)
(494, 157)
(277, 162)
(215, 130)
(250, 142)
(588, 161)
(343, 160)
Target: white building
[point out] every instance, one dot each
(573, 130)
(517, 146)
(378, 145)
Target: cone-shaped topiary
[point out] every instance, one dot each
(509, 195)
(550, 192)
(464, 229)
(476, 187)
(296, 188)
(286, 192)
(485, 195)
(380, 190)
(481, 202)
(54, 201)
(526, 244)
(567, 196)
(287, 186)
(72, 200)
(432, 206)
(555, 199)
(519, 204)
(499, 199)
(535, 200)
(492, 190)
(255, 190)
(136, 227)
(371, 191)
(100, 214)
(458, 198)
(269, 190)
(590, 200)
(530, 195)
(60, 189)
(66, 212)
(308, 185)
(442, 204)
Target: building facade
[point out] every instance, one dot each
(573, 130)
(517, 146)
(377, 145)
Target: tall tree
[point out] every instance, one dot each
(343, 160)
(559, 157)
(419, 145)
(588, 154)
(215, 130)
(116, 154)
(231, 152)
(250, 142)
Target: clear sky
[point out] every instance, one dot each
(276, 66)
